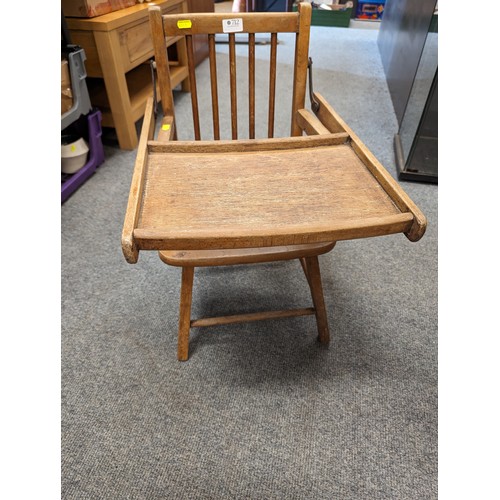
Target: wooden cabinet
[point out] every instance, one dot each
(118, 46)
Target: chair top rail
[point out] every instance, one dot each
(246, 22)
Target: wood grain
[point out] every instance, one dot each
(192, 86)
(257, 316)
(251, 85)
(267, 198)
(314, 278)
(232, 78)
(255, 22)
(300, 64)
(129, 246)
(272, 85)
(113, 20)
(162, 67)
(213, 86)
(185, 313)
(310, 124)
(332, 120)
(166, 132)
(212, 203)
(248, 145)
(159, 239)
(116, 87)
(225, 257)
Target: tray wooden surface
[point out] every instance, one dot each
(202, 195)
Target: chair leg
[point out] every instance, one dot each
(314, 277)
(304, 267)
(185, 313)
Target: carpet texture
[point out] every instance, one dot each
(261, 410)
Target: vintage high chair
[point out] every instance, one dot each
(245, 201)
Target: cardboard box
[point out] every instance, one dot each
(66, 92)
(93, 8)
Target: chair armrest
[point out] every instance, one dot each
(334, 123)
(129, 246)
(309, 123)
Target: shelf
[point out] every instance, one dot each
(140, 87)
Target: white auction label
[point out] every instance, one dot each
(232, 25)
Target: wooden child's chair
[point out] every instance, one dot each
(179, 205)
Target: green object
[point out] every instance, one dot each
(434, 24)
(338, 18)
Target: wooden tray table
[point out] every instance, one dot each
(205, 195)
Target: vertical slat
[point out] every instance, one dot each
(300, 64)
(181, 50)
(213, 84)
(251, 85)
(232, 72)
(272, 85)
(192, 83)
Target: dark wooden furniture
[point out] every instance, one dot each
(401, 39)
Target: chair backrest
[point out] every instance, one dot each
(164, 27)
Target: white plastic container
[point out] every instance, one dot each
(74, 154)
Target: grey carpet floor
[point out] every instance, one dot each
(260, 411)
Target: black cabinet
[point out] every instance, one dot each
(408, 44)
(417, 154)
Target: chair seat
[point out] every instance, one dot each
(204, 258)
